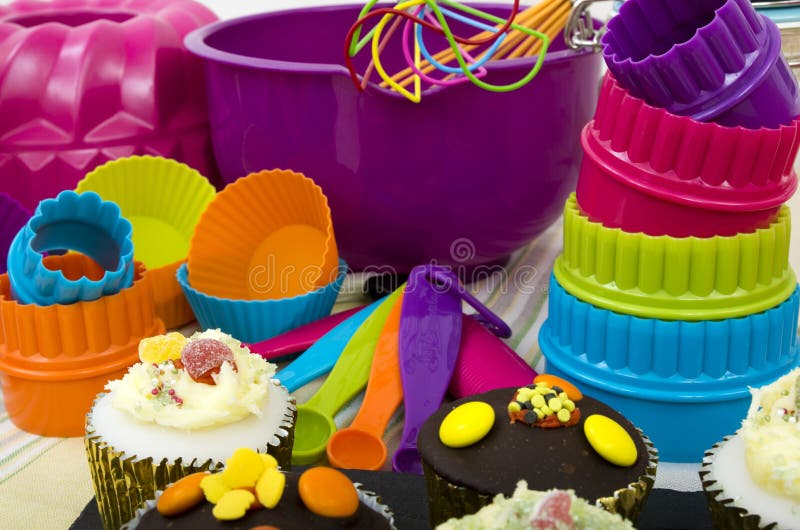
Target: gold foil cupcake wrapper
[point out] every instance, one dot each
(123, 483)
(724, 513)
(447, 500)
(369, 499)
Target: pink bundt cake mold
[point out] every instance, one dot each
(86, 81)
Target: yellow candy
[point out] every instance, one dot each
(233, 505)
(610, 440)
(524, 394)
(466, 424)
(538, 401)
(243, 468)
(269, 460)
(269, 488)
(161, 348)
(554, 404)
(213, 487)
(514, 407)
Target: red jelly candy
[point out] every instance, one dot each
(553, 512)
(201, 357)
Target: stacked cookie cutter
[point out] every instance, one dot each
(674, 292)
(71, 322)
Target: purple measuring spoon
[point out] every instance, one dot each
(430, 336)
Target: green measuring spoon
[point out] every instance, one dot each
(315, 424)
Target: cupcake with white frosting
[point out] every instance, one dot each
(185, 408)
(752, 479)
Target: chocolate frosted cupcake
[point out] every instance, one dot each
(183, 409)
(752, 479)
(253, 494)
(544, 434)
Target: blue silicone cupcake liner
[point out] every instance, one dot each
(670, 378)
(82, 223)
(13, 216)
(257, 320)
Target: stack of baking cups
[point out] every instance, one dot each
(674, 291)
(263, 258)
(71, 322)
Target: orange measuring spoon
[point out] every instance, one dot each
(360, 446)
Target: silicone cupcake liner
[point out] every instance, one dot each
(268, 235)
(124, 483)
(621, 195)
(54, 360)
(83, 223)
(691, 157)
(163, 199)
(675, 279)
(257, 320)
(368, 498)
(446, 499)
(13, 216)
(715, 61)
(725, 513)
(667, 377)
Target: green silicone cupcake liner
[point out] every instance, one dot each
(675, 278)
(123, 484)
(447, 500)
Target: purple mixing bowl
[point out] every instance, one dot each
(464, 178)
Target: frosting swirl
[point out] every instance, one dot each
(771, 434)
(164, 393)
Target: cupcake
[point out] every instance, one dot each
(184, 408)
(547, 434)
(253, 492)
(752, 479)
(542, 510)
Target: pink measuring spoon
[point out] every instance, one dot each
(361, 446)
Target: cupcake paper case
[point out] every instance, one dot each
(137, 444)
(752, 479)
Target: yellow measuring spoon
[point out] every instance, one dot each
(315, 424)
(360, 446)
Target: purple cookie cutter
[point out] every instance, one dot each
(713, 60)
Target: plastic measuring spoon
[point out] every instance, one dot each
(302, 338)
(361, 446)
(430, 333)
(320, 358)
(315, 424)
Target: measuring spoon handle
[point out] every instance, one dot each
(351, 371)
(320, 358)
(302, 338)
(384, 390)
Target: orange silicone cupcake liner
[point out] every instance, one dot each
(268, 235)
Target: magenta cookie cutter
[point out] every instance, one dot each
(430, 337)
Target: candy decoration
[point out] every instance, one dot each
(269, 460)
(328, 492)
(182, 495)
(542, 405)
(202, 357)
(552, 512)
(610, 440)
(161, 348)
(270, 486)
(233, 505)
(554, 381)
(243, 468)
(214, 487)
(466, 424)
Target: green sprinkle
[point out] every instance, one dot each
(514, 407)
(554, 404)
(563, 415)
(543, 389)
(538, 401)
(546, 410)
(563, 396)
(569, 405)
(539, 413)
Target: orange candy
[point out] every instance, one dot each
(328, 492)
(181, 496)
(572, 391)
